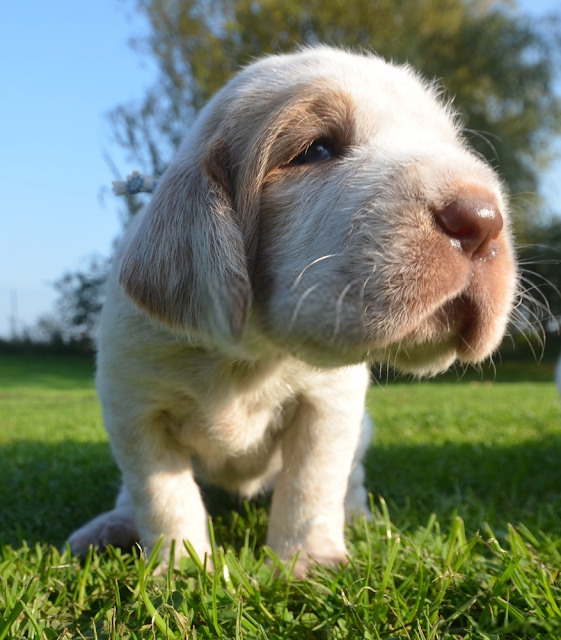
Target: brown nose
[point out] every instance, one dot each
(474, 223)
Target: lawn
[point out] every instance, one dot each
(466, 542)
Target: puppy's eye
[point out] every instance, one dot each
(319, 151)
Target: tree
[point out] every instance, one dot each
(500, 69)
(78, 306)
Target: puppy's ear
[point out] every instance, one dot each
(185, 264)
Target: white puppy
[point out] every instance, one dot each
(323, 211)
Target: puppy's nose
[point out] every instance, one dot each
(473, 222)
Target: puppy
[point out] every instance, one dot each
(324, 211)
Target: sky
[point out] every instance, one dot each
(64, 64)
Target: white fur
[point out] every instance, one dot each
(246, 298)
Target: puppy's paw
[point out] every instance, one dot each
(116, 527)
(326, 556)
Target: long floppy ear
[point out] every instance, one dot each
(185, 264)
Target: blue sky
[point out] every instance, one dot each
(63, 65)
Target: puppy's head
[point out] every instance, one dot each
(328, 202)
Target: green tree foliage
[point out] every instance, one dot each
(498, 67)
(79, 304)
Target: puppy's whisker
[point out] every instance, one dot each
(339, 307)
(528, 303)
(524, 312)
(311, 264)
(526, 327)
(546, 281)
(468, 345)
(483, 135)
(526, 295)
(299, 304)
(367, 281)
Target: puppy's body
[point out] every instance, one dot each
(168, 406)
(322, 211)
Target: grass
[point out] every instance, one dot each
(466, 540)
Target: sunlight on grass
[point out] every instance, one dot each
(466, 542)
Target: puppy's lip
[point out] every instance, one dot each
(470, 323)
(468, 316)
(458, 323)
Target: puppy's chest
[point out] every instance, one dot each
(235, 422)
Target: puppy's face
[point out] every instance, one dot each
(339, 213)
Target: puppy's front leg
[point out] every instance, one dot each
(158, 474)
(318, 449)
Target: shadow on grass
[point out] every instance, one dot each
(484, 484)
(49, 490)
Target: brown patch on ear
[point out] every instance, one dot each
(185, 264)
(217, 166)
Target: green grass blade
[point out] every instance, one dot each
(154, 614)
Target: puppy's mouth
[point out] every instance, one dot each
(468, 320)
(457, 330)
(461, 318)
